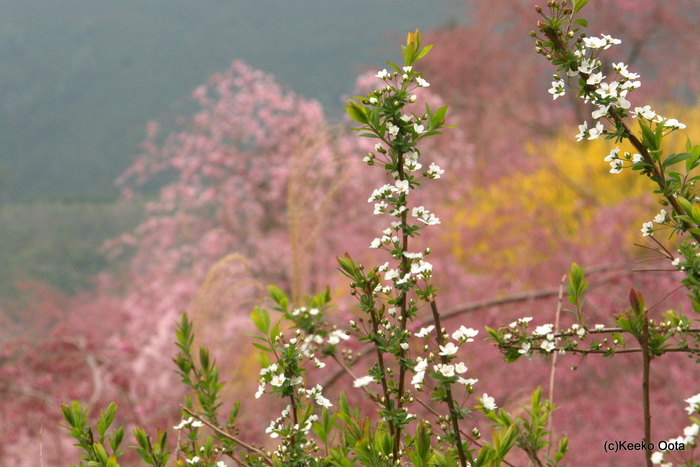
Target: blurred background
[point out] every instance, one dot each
(143, 175)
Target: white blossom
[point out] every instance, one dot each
(489, 403)
(543, 330)
(660, 217)
(447, 371)
(421, 82)
(464, 334)
(547, 345)
(448, 349)
(644, 112)
(425, 331)
(557, 89)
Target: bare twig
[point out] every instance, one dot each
(553, 367)
(618, 269)
(228, 435)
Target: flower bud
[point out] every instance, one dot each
(412, 99)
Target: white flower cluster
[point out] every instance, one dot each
(362, 382)
(461, 336)
(277, 426)
(607, 95)
(189, 422)
(616, 163)
(648, 114)
(603, 94)
(546, 330)
(488, 402)
(690, 433)
(648, 227)
(407, 76)
(424, 216)
(315, 393)
(196, 459)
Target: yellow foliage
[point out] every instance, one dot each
(528, 216)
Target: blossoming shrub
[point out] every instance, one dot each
(413, 371)
(156, 287)
(580, 68)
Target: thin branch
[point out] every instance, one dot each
(646, 362)
(41, 433)
(664, 298)
(619, 269)
(228, 435)
(552, 372)
(442, 340)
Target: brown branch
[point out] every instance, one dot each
(483, 304)
(646, 362)
(442, 340)
(656, 171)
(228, 435)
(550, 418)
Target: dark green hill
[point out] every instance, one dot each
(80, 78)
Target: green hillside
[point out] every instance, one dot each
(80, 78)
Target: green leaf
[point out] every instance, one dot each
(648, 137)
(675, 158)
(659, 133)
(204, 357)
(68, 414)
(106, 419)
(438, 117)
(278, 296)
(348, 267)
(578, 4)
(343, 403)
(100, 453)
(141, 438)
(685, 204)
(320, 432)
(507, 440)
(423, 52)
(423, 446)
(263, 360)
(261, 347)
(695, 213)
(582, 22)
(356, 112)
(395, 67)
(117, 438)
(261, 320)
(486, 454)
(408, 53)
